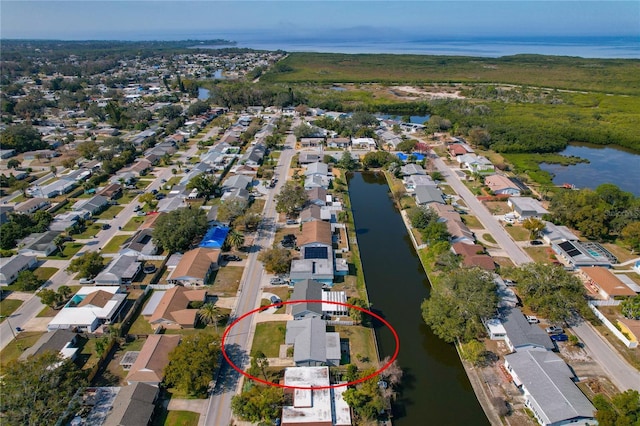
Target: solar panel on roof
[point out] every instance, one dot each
(315, 253)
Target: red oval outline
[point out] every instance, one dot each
(293, 302)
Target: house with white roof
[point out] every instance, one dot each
(10, 267)
(89, 308)
(363, 143)
(314, 403)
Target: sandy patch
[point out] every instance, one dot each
(37, 324)
(19, 295)
(433, 93)
(226, 302)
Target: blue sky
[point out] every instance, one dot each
(88, 19)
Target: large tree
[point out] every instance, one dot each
(178, 229)
(204, 183)
(623, 409)
(550, 291)
(457, 305)
(28, 281)
(22, 138)
(230, 210)
(258, 404)
(276, 260)
(38, 390)
(534, 226)
(631, 236)
(88, 265)
(291, 198)
(192, 364)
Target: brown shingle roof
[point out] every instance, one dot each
(174, 301)
(480, 260)
(607, 281)
(153, 358)
(97, 298)
(315, 232)
(467, 249)
(196, 263)
(150, 221)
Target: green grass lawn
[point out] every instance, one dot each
(489, 238)
(361, 344)
(115, 243)
(8, 306)
(472, 221)
(47, 312)
(14, 349)
(70, 249)
(176, 418)
(538, 254)
(110, 213)
(134, 223)
(268, 338)
(44, 273)
(89, 232)
(518, 233)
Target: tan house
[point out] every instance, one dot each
(173, 309)
(153, 359)
(315, 232)
(195, 266)
(605, 282)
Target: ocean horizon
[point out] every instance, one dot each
(586, 47)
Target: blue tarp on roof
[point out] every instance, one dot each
(214, 238)
(403, 157)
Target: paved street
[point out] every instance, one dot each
(492, 226)
(239, 340)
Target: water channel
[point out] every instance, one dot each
(435, 389)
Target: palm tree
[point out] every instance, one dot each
(208, 313)
(65, 291)
(236, 239)
(59, 243)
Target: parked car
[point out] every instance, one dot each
(288, 244)
(554, 329)
(532, 320)
(231, 258)
(106, 226)
(19, 329)
(86, 281)
(536, 243)
(163, 180)
(275, 300)
(137, 208)
(154, 191)
(277, 281)
(160, 196)
(291, 237)
(141, 213)
(291, 221)
(559, 337)
(149, 269)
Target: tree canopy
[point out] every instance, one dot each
(291, 198)
(259, 403)
(22, 138)
(38, 390)
(623, 409)
(457, 305)
(550, 291)
(177, 230)
(376, 159)
(89, 264)
(276, 260)
(192, 364)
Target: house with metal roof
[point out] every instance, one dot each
(549, 388)
(521, 335)
(10, 267)
(312, 345)
(526, 207)
(427, 194)
(120, 271)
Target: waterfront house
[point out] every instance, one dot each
(521, 335)
(307, 290)
(312, 345)
(428, 194)
(502, 185)
(526, 207)
(549, 390)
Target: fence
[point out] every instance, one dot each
(610, 302)
(628, 343)
(335, 322)
(161, 286)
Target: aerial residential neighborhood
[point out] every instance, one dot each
(179, 248)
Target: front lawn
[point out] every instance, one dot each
(90, 231)
(110, 213)
(134, 223)
(227, 280)
(44, 273)
(7, 307)
(518, 233)
(471, 221)
(69, 250)
(14, 349)
(115, 243)
(175, 418)
(268, 337)
(540, 254)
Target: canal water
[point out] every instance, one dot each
(607, 164)
(435, 389)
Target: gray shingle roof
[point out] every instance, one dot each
(521, 333)
(307, 290)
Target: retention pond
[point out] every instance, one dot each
(435, 388)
